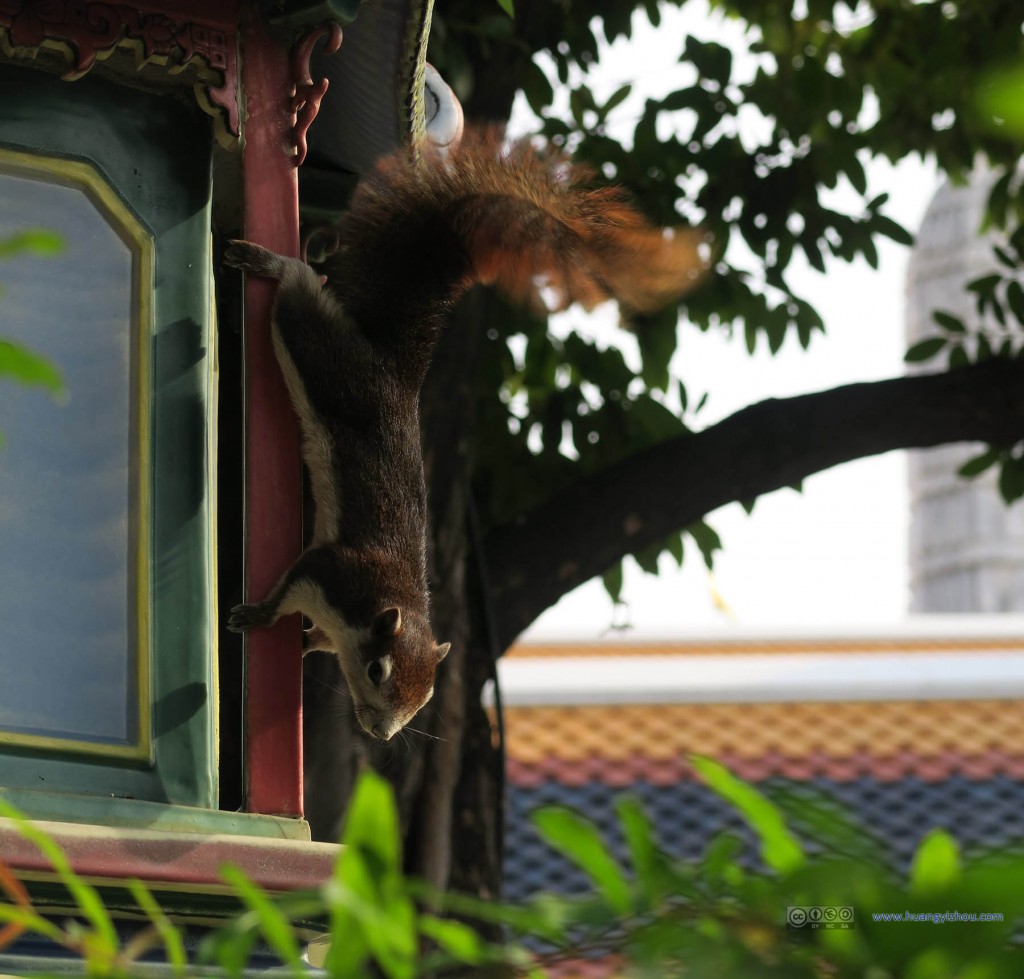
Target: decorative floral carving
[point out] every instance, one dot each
(89, 28)
(28, 21)
(307, 95)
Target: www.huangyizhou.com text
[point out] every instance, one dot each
(937, 917)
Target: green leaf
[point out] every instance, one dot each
(817, 816)
(617, 98)
(273, 924)
(886, 226)
(712, 60)
(1011, 479)
(351, 916)
(985, 285)
(508, 6)
(579, 840)
(1015, 299)
(580, 99)
(936, 864)
(1006, 258)
(230, 947)
(648, 558)
(750, 336)
(654, 420)
(707, 540)
(537, 88)
(674, 545)
(28, 368)
(859, 179)
(657, 336)
(394, 940)
(457, 939)
(367, 896)
(780, 850)
(32, 241)
(169, 934)
(612, 581)
(998, 203)
(719, 860)
(643, 849)
(373, 922)
(924, 349)
(371, 824)
(1017, 235)
(948, 322)
(999, 102)
(870, 252)
(958, 357)
(977, 465)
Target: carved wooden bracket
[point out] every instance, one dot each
(307, 94)
(84, 31)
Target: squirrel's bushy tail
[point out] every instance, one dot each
(531, 223)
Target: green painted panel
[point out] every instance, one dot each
(154, 152)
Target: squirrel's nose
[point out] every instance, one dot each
(380, 732)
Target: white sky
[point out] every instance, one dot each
(836, 555)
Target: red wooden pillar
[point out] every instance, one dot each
(273, 469)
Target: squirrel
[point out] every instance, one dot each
(354, 340)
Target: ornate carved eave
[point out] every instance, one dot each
(83, 32)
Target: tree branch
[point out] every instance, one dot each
(586, 529)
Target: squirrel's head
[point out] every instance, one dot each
(390, 671)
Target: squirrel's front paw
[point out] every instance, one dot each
(244, 617)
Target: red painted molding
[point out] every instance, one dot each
(162, 860)
(273, 725)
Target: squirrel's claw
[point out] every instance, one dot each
(244, 617)
(253, 259)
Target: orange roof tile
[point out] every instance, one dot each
(621, 743)
(717, 647)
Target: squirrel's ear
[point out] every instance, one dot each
(441, 651)
(387, 623)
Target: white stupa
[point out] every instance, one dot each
(966, 545)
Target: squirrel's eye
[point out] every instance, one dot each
(375, 672)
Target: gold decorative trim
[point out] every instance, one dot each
(84, 177)
(212, 454)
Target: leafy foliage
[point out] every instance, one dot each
(995, 332)
(719, 917)
(662, 917)
(753, 144)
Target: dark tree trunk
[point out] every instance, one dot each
(451, 795)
